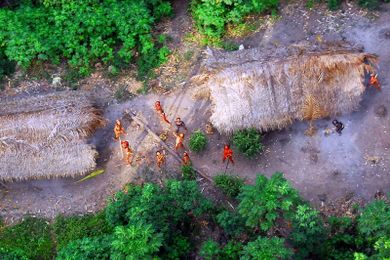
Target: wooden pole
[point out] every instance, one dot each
(226, 165)
(120, 145)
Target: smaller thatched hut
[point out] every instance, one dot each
(45, 136)
(272, 93)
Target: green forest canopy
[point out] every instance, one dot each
(166, 222)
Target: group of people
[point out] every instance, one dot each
(179, 134)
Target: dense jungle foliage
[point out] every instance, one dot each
(84, 32)
(115, 32)
(271, 221)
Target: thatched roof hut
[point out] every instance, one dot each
(270, 94)
(45, 136)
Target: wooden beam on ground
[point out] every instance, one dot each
(170, 150)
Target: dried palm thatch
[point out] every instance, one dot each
(312, 111)
(271, 94)
(45, 136)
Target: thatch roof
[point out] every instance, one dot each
(45, 136)
(271, 94)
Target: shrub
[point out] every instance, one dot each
(248, 142)
(230, 185)
(87, 248)
(308, 231)
(232, 250)
(122, 94)
(118, 205)
(6, 67)
(197, 141)
(68, 229)
(230, 46)
(341, 241)
(188, 172)
(211, 16)
(369, 4)
(210, 250)
(266, 248)
(31, 238)
(12, 254)
(83, 32)
(232, 223)
(374, 222)
(309, 4)
(176, 248)
(267, 200)
(382, 247)
(334, 4)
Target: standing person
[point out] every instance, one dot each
(157, 107)
(160, 158)
(374, 82)
(118, 130)
(227, 154)
(128, 152)
(179, 140)
(160, 111)
(339, 126)
(186, 159)
(180, 124)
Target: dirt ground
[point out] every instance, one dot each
(323, 168)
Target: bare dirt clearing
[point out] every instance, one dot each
(322, 168)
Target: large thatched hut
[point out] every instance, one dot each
(272, 93)
(45, 136)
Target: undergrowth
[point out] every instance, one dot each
(267, 220)
(30, 239)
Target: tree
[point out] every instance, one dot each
(266, 248)
(185, 197)
(138, 241)
(88, 248)
(342, 238)
(308, 233)
(382, 246)
(374, 221)
(12, 254)
(210, 250)
(267, 200)
(231, 222)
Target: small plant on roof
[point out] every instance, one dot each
(248, 142)
(198, 141)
